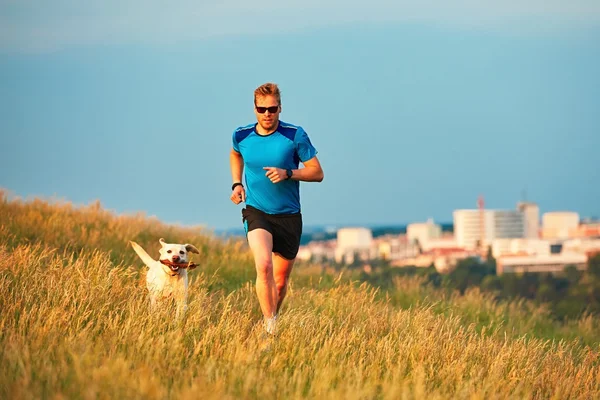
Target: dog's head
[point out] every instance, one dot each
(176, 254)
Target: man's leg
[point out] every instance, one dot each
(261, 244)
(282, 268)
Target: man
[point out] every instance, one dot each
(270, 151)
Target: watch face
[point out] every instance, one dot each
(289, 173)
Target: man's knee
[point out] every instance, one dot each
(264, 268)
(281, 285)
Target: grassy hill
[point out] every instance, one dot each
(75, 324)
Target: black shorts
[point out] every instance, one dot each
(286, 229)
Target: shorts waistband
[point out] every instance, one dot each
(274, 215)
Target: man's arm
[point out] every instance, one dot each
(312, 172)
(236, 164)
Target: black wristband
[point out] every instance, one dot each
(236, 184)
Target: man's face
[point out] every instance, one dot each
(267, 111)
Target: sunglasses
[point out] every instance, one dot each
(262, 110)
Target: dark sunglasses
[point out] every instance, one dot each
(262, 110)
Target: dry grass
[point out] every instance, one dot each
(75, 324)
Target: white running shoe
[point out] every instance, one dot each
(270, 324)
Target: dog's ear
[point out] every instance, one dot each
(191, 248)
(162, 242)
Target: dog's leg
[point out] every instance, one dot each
(181, 297)
(184, 304)
(152, 303)
(181, 308)
(181, 301)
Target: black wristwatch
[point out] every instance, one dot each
(289, 174)
(236, 184)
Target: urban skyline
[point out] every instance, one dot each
(445, 223)
(520, 240)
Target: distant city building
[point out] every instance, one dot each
(560, 224)
(553, 263)
(443, 259)
(508, 224)
(502, 247)
(496, 224)
(445, 241)
(446, 259)
(589, 229)
(531, 219)
(422, 233)
(468, 227)
(394, 247)
(587, 246)
(318, 251)
(352, 242)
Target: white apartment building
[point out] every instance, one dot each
(353, 241)
(496, 224)
(559, 224)
(522, 246)
(554, 263)
(394, 247)
(531, 215)
(508, 224)
(423, 232)
(468, 227)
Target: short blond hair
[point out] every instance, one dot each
(268, 89)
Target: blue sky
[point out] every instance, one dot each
(415, 108)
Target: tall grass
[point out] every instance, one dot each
(75, 324)
(73, 229)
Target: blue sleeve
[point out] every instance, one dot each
(236, 145)
(304, 147)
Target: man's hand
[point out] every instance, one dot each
(238, 194)
(275, 174)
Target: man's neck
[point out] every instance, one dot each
(263, 132)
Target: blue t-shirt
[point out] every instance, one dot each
(284, 148)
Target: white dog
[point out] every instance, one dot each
(168, 277)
